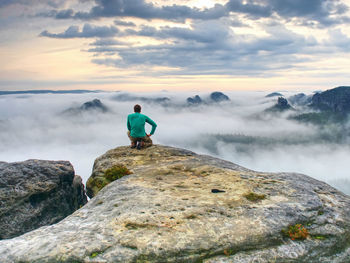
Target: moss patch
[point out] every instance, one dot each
(320, 212)
(254, 197)
(319, 237)
(228, 252)
(116, 172)
(95, 184)
(95, 254)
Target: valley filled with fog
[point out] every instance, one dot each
(58, 127)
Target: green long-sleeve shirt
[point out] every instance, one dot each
(136, 125)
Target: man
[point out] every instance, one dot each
(136, 126)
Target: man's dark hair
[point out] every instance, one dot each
(137, 108)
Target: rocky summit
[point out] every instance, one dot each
(35, 193)
(172, 205)
(218, 96)
(90, 106)
(336, 100)
(274, 94)
(281, 105)
(194, 100)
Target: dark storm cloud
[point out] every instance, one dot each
(88, 31)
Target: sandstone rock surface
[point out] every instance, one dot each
(178, 206)
(36, 193)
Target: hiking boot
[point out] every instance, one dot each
(133, 145)
(140, 145)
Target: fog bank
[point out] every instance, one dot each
(35, 127)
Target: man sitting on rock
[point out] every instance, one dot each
(136, 127)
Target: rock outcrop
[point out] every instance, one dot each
(36, 193)
(335, 100)
(274, 94)
(95, 105)
(218, 96)
(300, 99)
(196, 100)
(332, 107)
(178, 206)
(214, 97)
(281, 105)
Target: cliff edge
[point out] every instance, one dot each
(172, 205)
(36, 193)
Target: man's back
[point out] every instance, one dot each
(136, 124)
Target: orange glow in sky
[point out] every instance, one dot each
(177, 45)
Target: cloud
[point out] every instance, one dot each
(64, 14)
(103, 49)
(88, 31)
(294, 8)
(5, 3)
(251, 8)
(32, 127)
(324, 12)
(206, 47)
(50, 3)
(338, 39)
(108, 42)
(142, 9)
(123, 23)
(211, 47)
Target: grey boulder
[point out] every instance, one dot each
(36, 193)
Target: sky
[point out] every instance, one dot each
(184, 45)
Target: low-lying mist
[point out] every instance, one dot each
(239, 130)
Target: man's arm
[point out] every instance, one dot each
(154, 125)
(128, 124)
